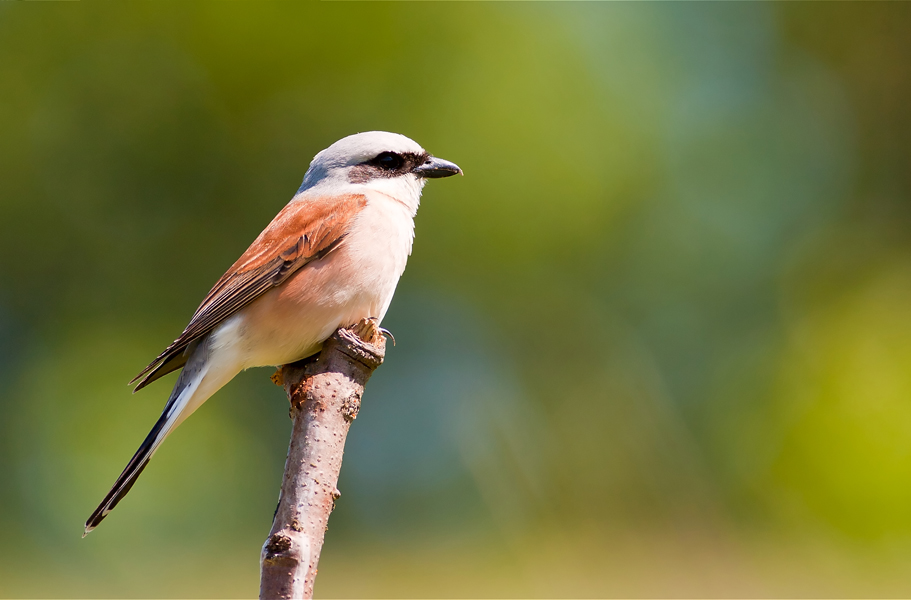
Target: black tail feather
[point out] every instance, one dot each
(129, 475)
(165, 423)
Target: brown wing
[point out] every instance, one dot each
(302, 232)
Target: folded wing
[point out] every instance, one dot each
(302, 232)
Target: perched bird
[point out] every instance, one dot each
(331, 257)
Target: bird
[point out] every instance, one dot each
(330, 258)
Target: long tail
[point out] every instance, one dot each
(180, 405)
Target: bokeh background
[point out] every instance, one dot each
(656, 342)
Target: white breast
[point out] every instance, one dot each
(378, 247)
(354, 282)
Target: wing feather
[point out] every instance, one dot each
(302, 232)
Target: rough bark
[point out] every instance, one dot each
(325, 395)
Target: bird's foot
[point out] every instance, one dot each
(367, 329)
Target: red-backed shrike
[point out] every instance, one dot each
(331, 257)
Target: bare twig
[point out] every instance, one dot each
(325, 395)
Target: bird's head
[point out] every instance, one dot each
(383, 161)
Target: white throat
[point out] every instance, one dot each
(405, 189)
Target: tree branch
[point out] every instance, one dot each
(325, 394)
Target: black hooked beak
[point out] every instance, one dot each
(434, 168)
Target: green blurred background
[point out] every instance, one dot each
(656, 342)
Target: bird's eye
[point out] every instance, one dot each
(389, 161)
